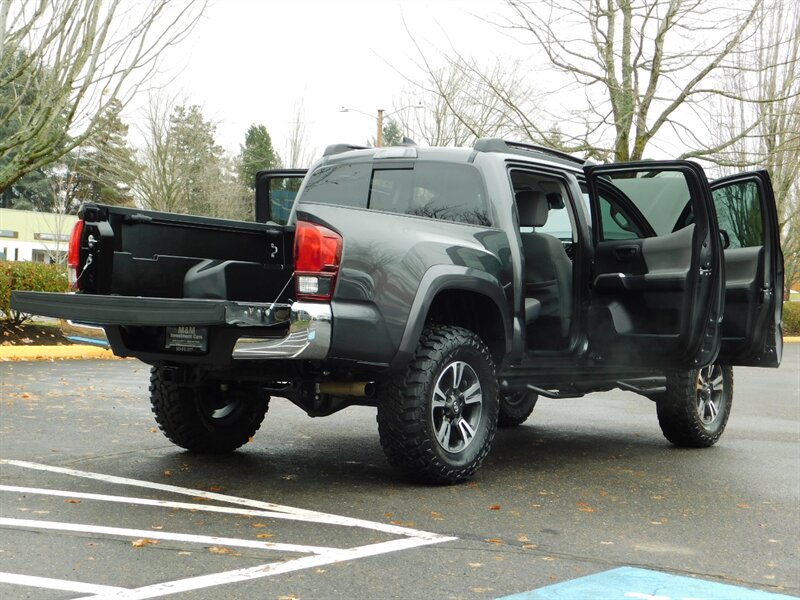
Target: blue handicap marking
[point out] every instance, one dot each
(628, 583)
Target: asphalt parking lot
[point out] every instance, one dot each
(95, 502)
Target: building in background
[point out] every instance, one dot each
(27, 235)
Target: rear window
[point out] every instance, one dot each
(444, 191)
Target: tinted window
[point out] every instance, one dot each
(739, 214)
(437, 190)
(346, 185)
(616, 223)
(449, 192)
(643, 204)
(282, 192)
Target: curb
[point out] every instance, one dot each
(85, 352)
(73, 352)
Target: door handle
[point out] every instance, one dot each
(626, 252)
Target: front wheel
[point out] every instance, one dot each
(213, 417)
(694, 410)
(437, 419)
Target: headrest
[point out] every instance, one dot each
(532, 207)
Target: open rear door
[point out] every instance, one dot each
(748, 222)
(655, 295)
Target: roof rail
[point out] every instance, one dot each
(339, 148)
(500, 145)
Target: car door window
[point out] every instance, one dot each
(739, 215)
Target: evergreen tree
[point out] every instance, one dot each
(256, 155)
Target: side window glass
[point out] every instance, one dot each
(616, 223)
(641, 204)
(739, 214)
(391, 190)
(435, 190)
(282, 192)
(345, 185)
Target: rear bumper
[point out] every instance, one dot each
(309, 336)
(309, 324)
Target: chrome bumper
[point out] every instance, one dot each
(309, 336)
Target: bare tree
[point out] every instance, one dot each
(298, 153)
(158, 185)
(63, 64)
(613, 76)
(465, 99)
(181, 167)
(761, 111)
(639, 68)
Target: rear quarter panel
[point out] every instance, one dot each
(384, 260)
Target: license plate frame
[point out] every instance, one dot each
(186, 339)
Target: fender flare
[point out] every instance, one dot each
(450, 277)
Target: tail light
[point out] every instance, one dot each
(317, 254)
(74, 255)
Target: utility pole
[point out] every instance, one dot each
(379, 136)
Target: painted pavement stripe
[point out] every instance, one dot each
(162, 535)
(323, 556)
(288, 510)
(58, 584)
(261, 571)
(629, 583)
(162, 503)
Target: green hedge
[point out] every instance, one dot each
(30, 276)
(791, 318)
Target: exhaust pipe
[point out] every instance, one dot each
(359, 389)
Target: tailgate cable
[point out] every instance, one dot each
(85, 266)
(274, 302)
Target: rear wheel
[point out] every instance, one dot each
(516, 407)
(695, 408)
(437, 420)
(213, 417)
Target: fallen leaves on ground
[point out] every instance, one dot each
(223, 550)
(495, 541)
(494, 507)
(142, 542)
(72, 501)
(403, 523)
(264, 536)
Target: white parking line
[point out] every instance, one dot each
(318, 555)
(57, 584)
(289, 511)
(162, 535)
(260, 571)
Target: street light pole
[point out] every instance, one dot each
(381, 115)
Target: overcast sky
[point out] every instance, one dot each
(252, 61)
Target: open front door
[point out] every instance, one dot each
(655, 294)
(276, 190)
(748, 222)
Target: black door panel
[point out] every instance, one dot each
(751, 324)
(655, 293)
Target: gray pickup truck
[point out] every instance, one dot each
(450, 288)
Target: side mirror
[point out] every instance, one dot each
(724, 239)
(275, 193)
